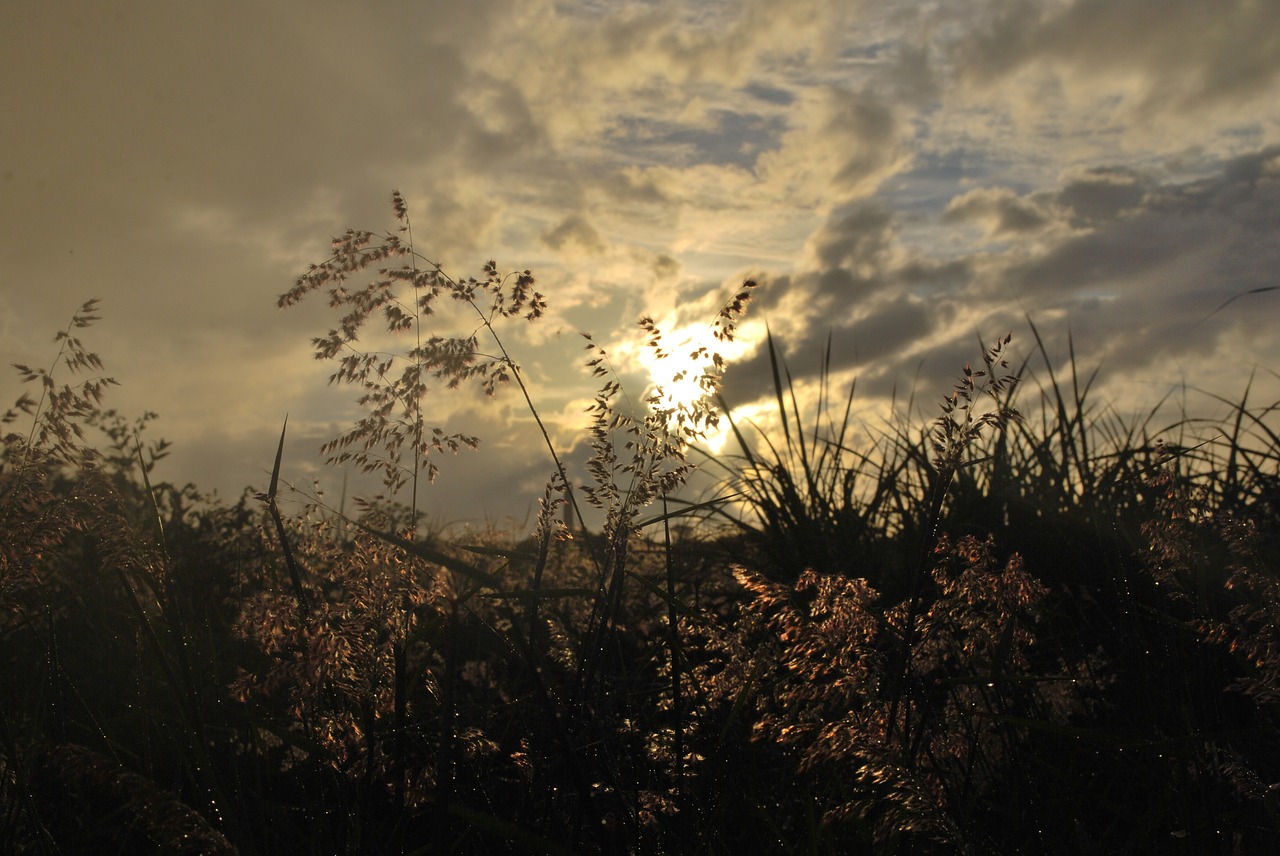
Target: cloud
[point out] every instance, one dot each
(859, 239)
(868, 127)
(1169, 63)
(1001, 211)
(1136, 274)
(575, 231)
(1162, 266)
(842, 144)
(850, 259)
(1097, 195)
(900, 177)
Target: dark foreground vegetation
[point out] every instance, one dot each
(991, 633)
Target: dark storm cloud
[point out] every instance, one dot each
(162, 100)
(861, 297)
(851, 251)
(249, 119)
(1246, 170)
(1145, 284)
(1142, 284)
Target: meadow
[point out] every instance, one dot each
(1026, 624)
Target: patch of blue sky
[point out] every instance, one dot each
(938, 176)
(731, 138)
(919, 197)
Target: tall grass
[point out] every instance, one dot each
(93, 593)
(637, 458)
(1123, 536)
(1029, 624)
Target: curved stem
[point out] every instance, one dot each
(561, 471)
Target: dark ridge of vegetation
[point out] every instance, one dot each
(1048, 631)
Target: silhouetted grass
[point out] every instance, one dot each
(1031, 624)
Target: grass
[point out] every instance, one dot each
(1029, 624)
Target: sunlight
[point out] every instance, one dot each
(679, 374)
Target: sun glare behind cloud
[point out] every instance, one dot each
(676, 374)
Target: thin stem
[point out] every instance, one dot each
(561, 471)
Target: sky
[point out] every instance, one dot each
(901, 177)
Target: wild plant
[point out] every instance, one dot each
(902, 695)
(569, 629)
(984, 630)
(35, 521)
(88, 590)
(820, 502)
(117, 809)
(335, 677)
(34, 516)
(916, 763)
(57, 415)
(394, 439)
(1210, 557)
(813, 499)
(961, 423)
(652, 463)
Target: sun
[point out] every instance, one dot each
(678, 375)
(680, 382)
